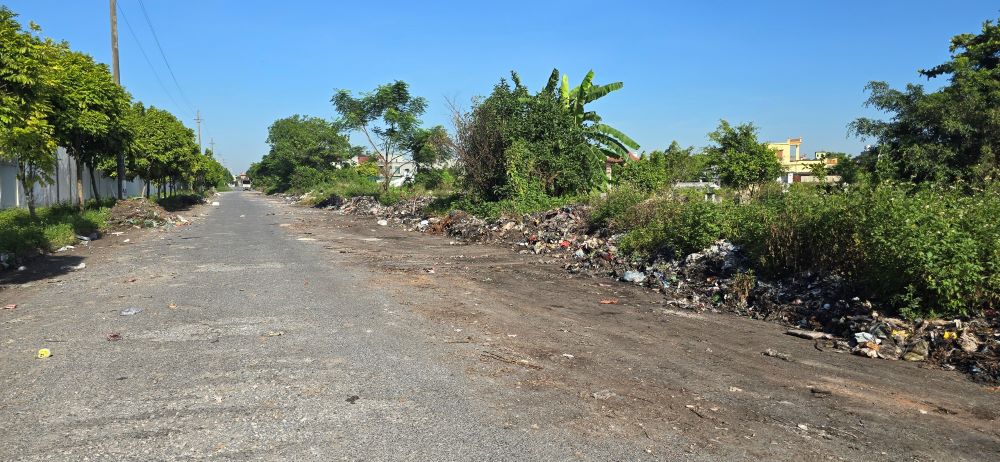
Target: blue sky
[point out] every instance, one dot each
(793, 68)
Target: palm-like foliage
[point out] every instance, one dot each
(609, 140)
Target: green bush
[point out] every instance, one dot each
(614, 204)
(55, 227)
(672, 227)
(920, 252)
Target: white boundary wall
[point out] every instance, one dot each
(63, 189)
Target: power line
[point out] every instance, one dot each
(144, 55)
(164, 56)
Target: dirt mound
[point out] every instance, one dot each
(140, 213)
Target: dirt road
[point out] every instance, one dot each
(270, 331)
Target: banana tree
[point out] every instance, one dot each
(609, 140)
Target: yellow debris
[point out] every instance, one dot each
(44, 353)
(949, 335)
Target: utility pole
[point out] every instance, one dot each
(118, 80)
(211, 145)
(198, 119)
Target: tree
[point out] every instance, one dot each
(430, 147)
(27, 89)
(302, 148)
(389, 119)
(88, 107)
(949, 135)
(162, 150)
(740, 160)
(846, 167)
(611, 141)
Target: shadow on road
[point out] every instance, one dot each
(41, 268)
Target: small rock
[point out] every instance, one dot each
(775, 354)
(383, 223)
(603, 394)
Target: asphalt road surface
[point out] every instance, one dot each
(261, 338)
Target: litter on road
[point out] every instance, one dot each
(130, 311)
(43, 353)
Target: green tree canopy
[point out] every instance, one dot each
(389, 117)
(740, 160)
(28, 86)
(949, 135)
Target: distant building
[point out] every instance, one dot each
(797, 168)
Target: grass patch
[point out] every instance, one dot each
(55, 227)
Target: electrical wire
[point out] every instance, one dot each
(164, 56)
(144, 55)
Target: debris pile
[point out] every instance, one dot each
(717, 279)
(141, 213)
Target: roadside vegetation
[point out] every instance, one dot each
(52, 96)
(910, 225)
(53, 227)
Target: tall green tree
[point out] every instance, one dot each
(28, 86)
(88, 109)
(948, 135)
(389, 117)
(740, 160)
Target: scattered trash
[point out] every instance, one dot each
(10, 306)
(215, 204)
(274, 333)
(865, 337)
(735, 389)
(352, 399)
(803, 427)
(182, 219)
(113, 336)
(172, 306)
(243, 216)
(22, 268)
(603, 395)
(140, 213)
(306, 239)
(634, 276)
(43, 353)
(808, 334)
(130, 311)
(79, 267)
(774, 354)
(567, 355)
(65, 248)
(126, 241)
(83, 238)
(383, 223)
(609, 301)
(812, 305)
(117, 233)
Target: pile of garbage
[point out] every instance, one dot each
(141, 213)
(818, 307)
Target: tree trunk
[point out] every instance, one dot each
(79, 182)
(93, 183)
(145, 190)
(24, 173)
